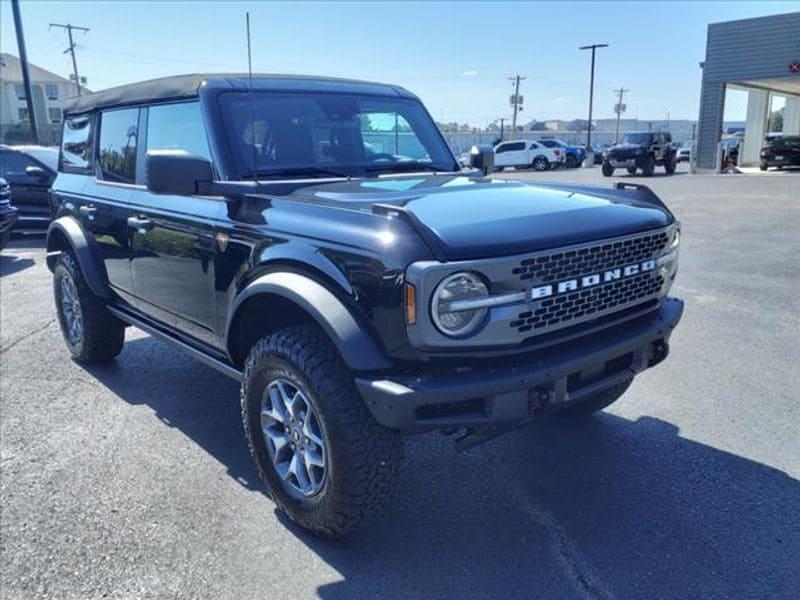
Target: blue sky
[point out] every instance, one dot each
(457, 56)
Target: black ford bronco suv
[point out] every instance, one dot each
(316, 240)
(642, 151)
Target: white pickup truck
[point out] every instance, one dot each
(526, 154)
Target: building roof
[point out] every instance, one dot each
(187, 86)
(11, 70)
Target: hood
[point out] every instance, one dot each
(625, 148)
(479, 217)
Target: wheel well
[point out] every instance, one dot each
(56, 242)
(259, 316)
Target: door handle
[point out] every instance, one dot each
(90, 212)
(140, 224)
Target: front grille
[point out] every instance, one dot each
(562, 310)
(590, 259)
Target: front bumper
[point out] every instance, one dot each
(516, 391)
(620, 163)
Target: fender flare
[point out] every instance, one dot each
(355, 344)
(93, 273)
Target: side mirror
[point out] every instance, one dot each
(176, 172)
(37, 173)
(482, 157)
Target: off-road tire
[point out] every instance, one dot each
(597, 402)
(670, 164)
(762, 167)
(608, 170)
(571, 161)
(540, 163)
(103, 334)
(649, 166)
(631, 170)
(363, 458)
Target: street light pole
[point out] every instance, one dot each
(593, 48)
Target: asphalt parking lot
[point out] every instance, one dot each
(133, 480)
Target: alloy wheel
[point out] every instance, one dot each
(71, 309)
(293, 436)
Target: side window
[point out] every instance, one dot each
(76, 144)
(516, 146)
(177, 127)
(13, 164)
(117, 146)
(501, 148)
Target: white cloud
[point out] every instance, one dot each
(470, 73)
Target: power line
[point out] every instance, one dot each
(618, 109)
(69, 27)
(516, 100)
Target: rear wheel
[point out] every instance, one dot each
(92, 334)
(540, 163)
(608, 170)
(598, 401)
(325, 461)
(572, 161)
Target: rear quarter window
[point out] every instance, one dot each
(76, 144)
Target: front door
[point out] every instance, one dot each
(173, 237)
(29, 192)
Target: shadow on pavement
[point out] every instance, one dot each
(600, 508)
(10, 264)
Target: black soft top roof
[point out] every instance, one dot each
(181, 87)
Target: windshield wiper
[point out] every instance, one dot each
(307, 171)
(405, 166)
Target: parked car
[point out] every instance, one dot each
(354, 296)
(523, 154)
(684, 153)
(573, 155)
(597, 154)
(644, 151)
(781, 152)
(8, 213)
(30, 171)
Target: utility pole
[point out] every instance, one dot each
(516, 101)
(668, 120)
(593, 48)
(69, 27)
(619, 109)
(502, 127)
(26, 78)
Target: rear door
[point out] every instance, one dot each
(173, 237)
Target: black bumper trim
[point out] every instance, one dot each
(505, 391)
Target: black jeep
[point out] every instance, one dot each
(316, 240)
(644, 151)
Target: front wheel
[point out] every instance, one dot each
(670, 164)
(762, 166)
(608, 170)
(323, 458)
(631, 170)
(571, 162)
(540, 163)
(92, 334)
(649, 166)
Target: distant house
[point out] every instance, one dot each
(50, 94)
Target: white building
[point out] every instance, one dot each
(50, 94)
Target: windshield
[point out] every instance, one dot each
(306, 134)
(635, 138)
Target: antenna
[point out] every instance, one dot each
(252, 103)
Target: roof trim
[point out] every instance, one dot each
(187, 86)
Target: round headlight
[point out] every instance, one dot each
(450, 307)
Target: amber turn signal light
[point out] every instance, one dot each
(411, 304)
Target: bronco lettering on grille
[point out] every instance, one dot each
(586, 281)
